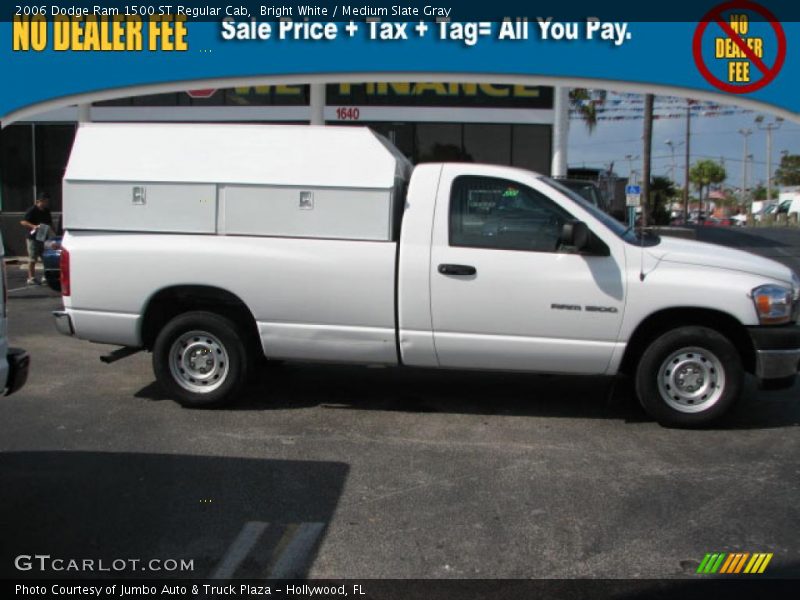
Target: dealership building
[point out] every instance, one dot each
(480, 122)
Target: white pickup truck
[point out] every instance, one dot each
(211, 245)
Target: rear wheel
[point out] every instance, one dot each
(200, 359)
(689, 376)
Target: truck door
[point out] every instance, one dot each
(504, 293)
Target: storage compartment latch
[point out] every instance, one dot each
(139, 195)
(306, 200)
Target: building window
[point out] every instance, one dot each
(16, 167)
(488, 143)
(531, 147)
(53, 145)
(439, 142)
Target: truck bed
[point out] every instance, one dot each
(315, 299)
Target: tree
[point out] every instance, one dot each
(662, 192)
(706, 173)
(788, 172)
(584, 102)
(760, 193)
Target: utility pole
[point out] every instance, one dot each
(632, 180)
(686, 164)
(769, 128)
(558, 166)
(746, 133)
(647, 152)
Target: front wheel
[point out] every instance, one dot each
(689, 376)
(200, 360)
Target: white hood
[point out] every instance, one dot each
(690, 252)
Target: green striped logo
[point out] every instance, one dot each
(734, 563)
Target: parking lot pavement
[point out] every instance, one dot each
(331, 471)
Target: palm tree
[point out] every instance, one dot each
(580, 101)
(584, 102)
(662, 191)
(704, 174)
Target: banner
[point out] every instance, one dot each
(61, 53)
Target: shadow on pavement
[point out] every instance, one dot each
(301, 385)
(90, 505)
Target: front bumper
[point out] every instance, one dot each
(18, 364)
(777, 351)
(63, 322)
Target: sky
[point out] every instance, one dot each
(714, 137)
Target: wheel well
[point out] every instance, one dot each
(664, 320)
(173, 301)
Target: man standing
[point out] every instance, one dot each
(38, 221)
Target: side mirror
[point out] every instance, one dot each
(575, 234)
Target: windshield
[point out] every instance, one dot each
(619, 229)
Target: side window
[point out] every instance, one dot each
(486, 212)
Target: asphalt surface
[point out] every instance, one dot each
(331, 471)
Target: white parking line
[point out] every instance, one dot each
(292, 562)
(239, 549)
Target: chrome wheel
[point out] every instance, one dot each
(691, 380)
(198, 362)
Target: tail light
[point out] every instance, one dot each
(64, 263)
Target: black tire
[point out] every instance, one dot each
(689, 376)
(212, 340)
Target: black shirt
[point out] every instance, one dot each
(37, 216)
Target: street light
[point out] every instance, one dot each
(672, 145)
(769, 128)
(631, 171)
(746, 133)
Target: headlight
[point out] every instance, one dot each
(796, 295)
(774, 304)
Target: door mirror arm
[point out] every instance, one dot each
(577, 235)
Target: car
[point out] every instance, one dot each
(51, 259)
(788, 206)
(697, 217)
(739, 220)
(717, 222)
(767, 211)
(296, 255)
(14, 362)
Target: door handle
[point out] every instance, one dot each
(457, 270)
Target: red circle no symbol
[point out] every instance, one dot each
(768, 73)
